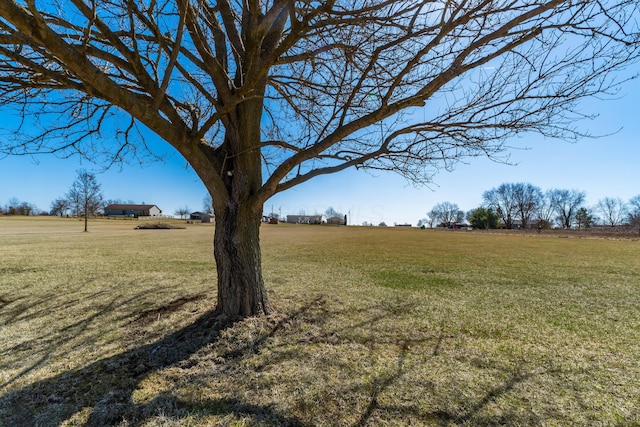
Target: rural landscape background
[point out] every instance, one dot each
(512, 318)
(373, 326)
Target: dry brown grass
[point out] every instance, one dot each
(373, 327)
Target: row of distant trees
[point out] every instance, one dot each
(16, 207)
(61, 206)
(83, 197)
(523, 204)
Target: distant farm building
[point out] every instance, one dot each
(459, 225)
(200, 216)
(337, 220)
(304, 219)
(134, 211)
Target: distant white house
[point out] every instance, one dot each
(127, 210)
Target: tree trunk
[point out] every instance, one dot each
(86, 217)
(241, 290)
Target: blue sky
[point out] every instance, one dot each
(605, 167)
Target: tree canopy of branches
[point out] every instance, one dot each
(634, 211)
(332, 213)
(545, 210)
(502, 200)
(566, 204)
(613, 210)
(260, 96)
(514, 201)
(59, 206)
(182, 211)
(207, 204)
(527, 198)
(446, 214)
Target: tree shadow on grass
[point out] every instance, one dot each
(102, 391)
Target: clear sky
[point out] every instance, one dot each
(605, 167)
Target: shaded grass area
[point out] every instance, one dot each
(373, 327)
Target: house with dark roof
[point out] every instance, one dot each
(134, 211)
(200, 216)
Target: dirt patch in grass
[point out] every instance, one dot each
(16, 270)
(159, 226)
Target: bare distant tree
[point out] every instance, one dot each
(502, 200)
(634, 205)
(182, 211)
(634, 211)
(207, 204)
(613, 210)
(527, 198)
(429, 220)
(260, 96)
(446, 214)
(566, 204)
(85, 196)
(12, 206)
(514, 201)
(59, 206)
(545, 210)
(331, 212)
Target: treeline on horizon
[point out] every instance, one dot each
(523, 205)
(510, 205)
(17, 207)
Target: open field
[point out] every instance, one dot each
(374, 326)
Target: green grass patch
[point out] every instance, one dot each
(374, 326)
(412, 280)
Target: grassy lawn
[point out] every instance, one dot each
(374, 326)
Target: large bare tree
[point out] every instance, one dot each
(613, 210)
(566, 204)
(503, 201)
(446, 214)
(262, 95)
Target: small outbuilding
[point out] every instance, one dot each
(200, 216)
(337, 220)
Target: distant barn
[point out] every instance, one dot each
(133, 211)
(337, 220)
